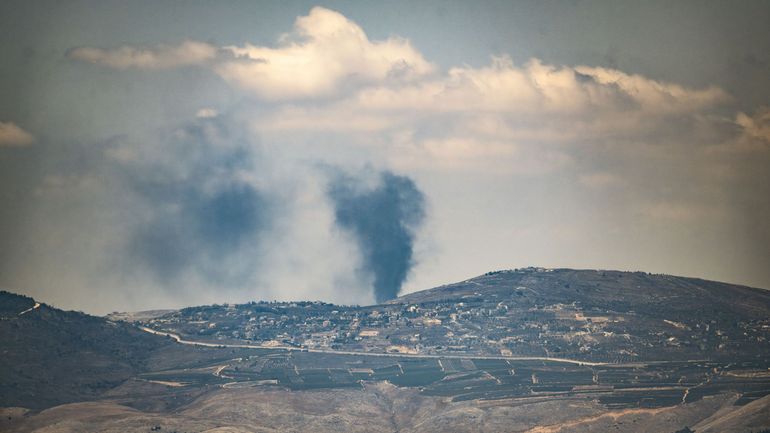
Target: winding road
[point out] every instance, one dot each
(34, 307)
(388, 355)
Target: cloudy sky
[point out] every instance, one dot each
(161, 154)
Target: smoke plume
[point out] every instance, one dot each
(382, 219)
(202, 215)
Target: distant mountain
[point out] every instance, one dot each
(49, 356)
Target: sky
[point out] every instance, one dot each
(165, 154)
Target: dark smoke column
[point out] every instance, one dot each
(383, 220)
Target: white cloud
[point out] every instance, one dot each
(159, 57)
(206, 113)
(541, 89)
(655, 96)
(535, 102)
(13, 135)
(751, 137)
(519, 119)
(324, 53)
(756, 126)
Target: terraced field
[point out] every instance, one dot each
(614, 386)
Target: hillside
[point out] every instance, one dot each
(383, 408)
(618, 346)
(650, 294)
(583, 315)
(50, 356)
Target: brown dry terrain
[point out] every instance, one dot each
(381, 407)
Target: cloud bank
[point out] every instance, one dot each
(159, 57)
(324, 54)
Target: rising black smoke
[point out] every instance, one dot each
(383, 219)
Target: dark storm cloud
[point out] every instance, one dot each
(383, 220)
(200, 213)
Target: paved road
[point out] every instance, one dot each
(388, 355)
(34, 307)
